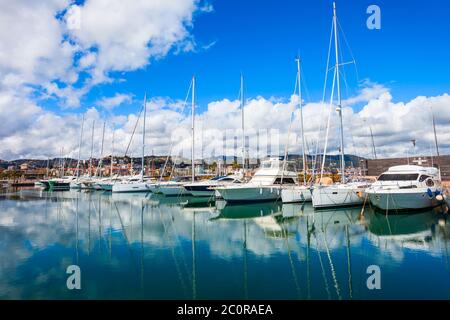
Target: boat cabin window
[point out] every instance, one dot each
(399, 177)
(423, 178)
(285, 181)
(226, 179)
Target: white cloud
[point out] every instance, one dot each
(125, 35)
(31, 42)
(112, 102)
(393, 125)
(43, 49)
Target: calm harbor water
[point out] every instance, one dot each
(137, 246)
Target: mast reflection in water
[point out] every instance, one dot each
(150, 247)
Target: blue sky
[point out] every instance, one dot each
(261, 39)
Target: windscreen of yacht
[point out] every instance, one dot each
(399, 177)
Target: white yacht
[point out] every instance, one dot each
(294, 194)
(265, 185)
(133, 184)
(406, 187)
(174, 187)
(206, 188)
(107, 183)
(339, 195)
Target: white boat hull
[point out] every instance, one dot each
(130, 187)
(173, 190)
(409, 199)
(250, 193)
(293, 194)
(337, 196)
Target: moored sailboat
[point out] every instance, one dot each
(344, 193)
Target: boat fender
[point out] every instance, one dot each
(430, 193)
(439, 197)
(360, 194)
(260, 190)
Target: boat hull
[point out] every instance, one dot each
(200, 191)
(250, 194)
(58, 185)
(130, 187)
(296, 194)
(334, 197)
(394, 200)
(171, 191)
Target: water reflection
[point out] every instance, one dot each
(151, 246)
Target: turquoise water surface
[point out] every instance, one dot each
(145, 246)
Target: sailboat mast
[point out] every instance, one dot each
(301, 119)
(92, 148)
(79, 147)
(373, 143)
(112, 155)
(435, 135)
(243, 127)
(100, 163)
(63, 161)
(192, 129)
(48, 167)
(143, 138)
(339, 106)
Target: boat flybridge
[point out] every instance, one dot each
(407, 187)
(265, 185)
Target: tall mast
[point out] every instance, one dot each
(301, 119)
(112, 155)
(192, 129)
(48, 167)
(435, 135)
(63, 161)
(339, 106)
(143, 139)
(92, 148)
(373, 143)
(243, 127)
(79, 147)
(100, 163)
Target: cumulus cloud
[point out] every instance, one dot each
(61, 50)
(393, 124)
(125, 35)
(112, 102)
(57, 51)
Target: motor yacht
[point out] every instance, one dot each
(206, 188)
(265, 185)
(407, 187)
